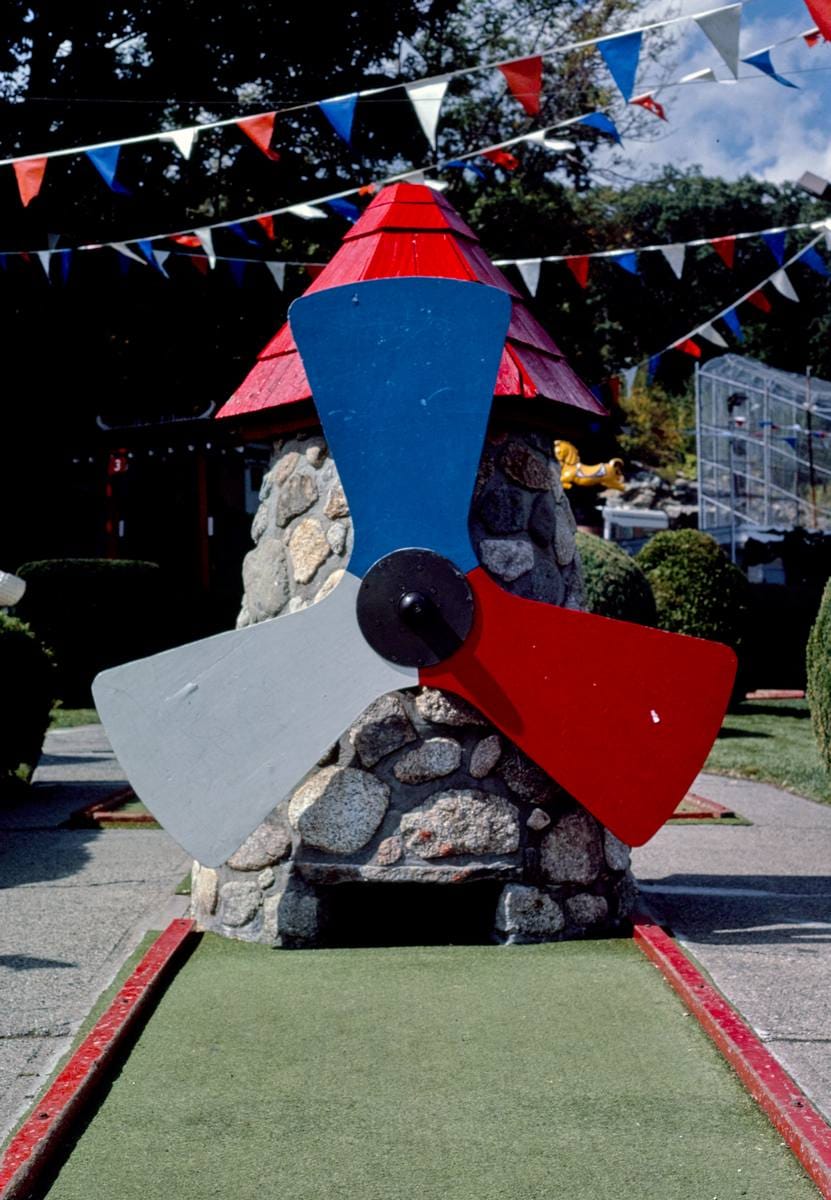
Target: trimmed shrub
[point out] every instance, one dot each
(614, 584)
(697, 589)
(93, 613)
(27, 677)
(818, 662)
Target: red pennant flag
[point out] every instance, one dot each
(813, 38)
(201, 263)
(820, 10)
(578, 264)
(725, 248)
(614, 388)
(652, 105)
(501, 158)
(689, 347)
(29, 172)
(267, 223)
(760, 300)
(369, 189)
(187, 239)
(314, 269)
(524, 78)
(260, 129)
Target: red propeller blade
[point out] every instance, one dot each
(621, 716)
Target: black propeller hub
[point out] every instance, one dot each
(415, 608)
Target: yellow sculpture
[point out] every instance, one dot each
(572, 471)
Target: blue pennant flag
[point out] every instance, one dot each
(762, 62)
(243, 233)
(775, 242)
(621, 55)
(238, 266)
(146, 247)
(64, 261)
(813, 260)
(652, 367)
(597, 391)
(105, 161)
(340, 112)
(791, 442)
(628, 261)
(2, 262)
(733, 323)
(605, 124)
(459, 165)
(344, 208)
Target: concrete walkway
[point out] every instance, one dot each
(73, 904)
(753, 906)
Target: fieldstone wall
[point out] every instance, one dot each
(421, 788)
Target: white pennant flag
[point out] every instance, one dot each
(128, 253)
(45, 257)
(784, 286)
(206, 241)
(540, 137)
(307, 211)
(426, 99)
(438, 185)
(161, 257)
(709, 332)
(530, 272)
(722, 26)
(278, 273)
(629, 380)
(182, 139)
(707, 75)
(675, 256)
(828, 235)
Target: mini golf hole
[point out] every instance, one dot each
(410, 914)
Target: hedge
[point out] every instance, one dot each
(818, 663)
(94, 613)
(697, 589)
(614, 584)
(27, 678)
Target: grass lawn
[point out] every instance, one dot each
(557, 1072)
(68, 718)
(772, 741)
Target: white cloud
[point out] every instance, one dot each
(755, 126)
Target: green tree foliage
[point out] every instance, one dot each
(819, 676)
(27, 676)
(697, 589)
(613, 583)
(656, 429)
(621, 319)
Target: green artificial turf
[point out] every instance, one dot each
(556, 1072)
(772, 741)
(68, 718)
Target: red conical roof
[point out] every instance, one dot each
(410, 229)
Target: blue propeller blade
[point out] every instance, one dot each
(402, 372)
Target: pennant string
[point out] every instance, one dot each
(561, 49)
(728, 314)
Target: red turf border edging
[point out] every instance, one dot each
(704, 809)
(793, 1115)
(105, 812)
(41, 1134)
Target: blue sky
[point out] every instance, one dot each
(754, 126)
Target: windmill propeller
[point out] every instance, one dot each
(214, 734)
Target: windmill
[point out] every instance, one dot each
(209, 750)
